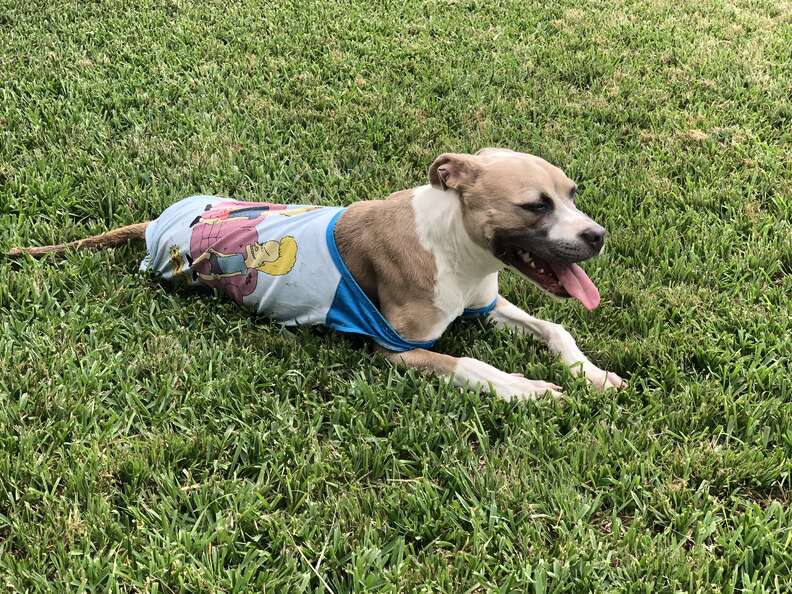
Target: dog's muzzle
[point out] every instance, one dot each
(552, 265)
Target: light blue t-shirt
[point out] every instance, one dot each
(279, 260)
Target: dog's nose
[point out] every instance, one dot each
(594, 236)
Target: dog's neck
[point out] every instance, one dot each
(441, 230)
(462, 264)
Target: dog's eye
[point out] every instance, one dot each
(545, 204)
(537, 207)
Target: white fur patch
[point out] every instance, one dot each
(466, 272)
(568, 222)
(478, 375)
(485, 293)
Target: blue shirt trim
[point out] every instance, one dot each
(479, 312)
(353, 312)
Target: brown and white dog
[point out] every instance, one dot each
(427, 253)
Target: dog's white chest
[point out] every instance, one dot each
(466, 274)
(456, 291)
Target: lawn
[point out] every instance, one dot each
(151, 441)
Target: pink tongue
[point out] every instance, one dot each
(578, 284)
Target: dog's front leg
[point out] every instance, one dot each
(558, 340)
(475, 374)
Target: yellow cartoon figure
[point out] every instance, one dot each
(176, 261)
(271, 257)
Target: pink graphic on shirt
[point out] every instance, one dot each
(220, 240)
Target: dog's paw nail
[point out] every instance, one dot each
(557, 394)
(599, 379)
(614, 382)
(552, 389)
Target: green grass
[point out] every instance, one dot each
(151, 441)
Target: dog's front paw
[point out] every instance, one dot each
(601, 379)
(517, 387)
(508, 386)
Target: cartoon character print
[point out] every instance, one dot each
(225, 251)
(178, 269)
(176, 262)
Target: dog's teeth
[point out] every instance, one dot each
(532, 264)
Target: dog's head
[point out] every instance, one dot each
(522, 209)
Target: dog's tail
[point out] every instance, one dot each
(97, 242)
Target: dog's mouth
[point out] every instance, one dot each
(562, 279)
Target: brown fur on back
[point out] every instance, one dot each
(112, 238)
(379, 244)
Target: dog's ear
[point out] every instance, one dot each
(453, 170)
